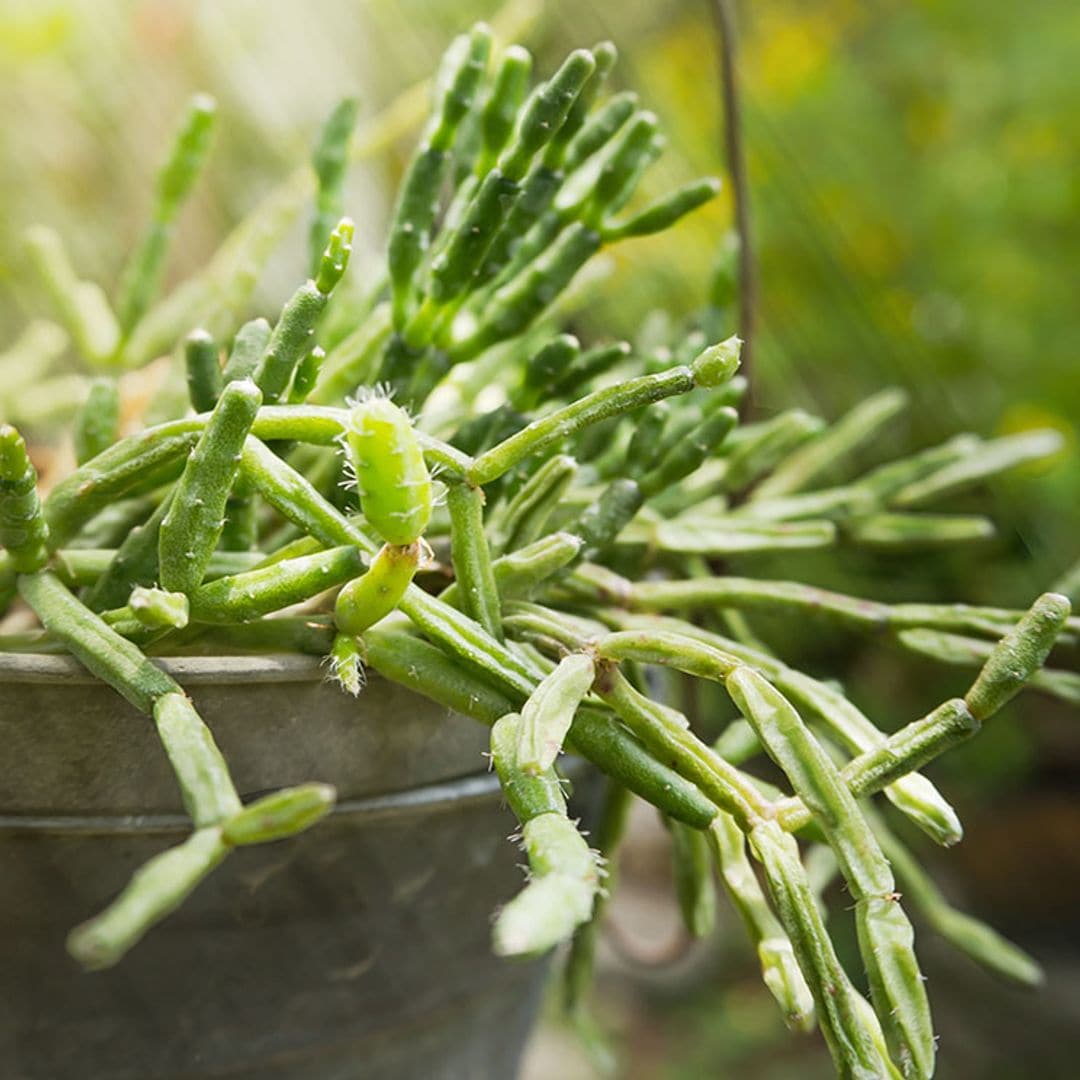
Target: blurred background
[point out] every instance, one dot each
(914, 169)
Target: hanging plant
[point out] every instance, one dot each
(425, 479)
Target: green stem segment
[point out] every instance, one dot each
(330, 163)
(692, 870)
(912, 794)
(839, 1013)
(886, 940)
(692, 759)
(903, 752)
(156, 889)
(22, 524)
(547, 715)
(192, 527)
(565, 874)
(369, 598)
(1018, 655)
(284, 813)
(472, 557)
(142, 275)
(98, 420)
(437, 673)
(247, 596)
(779, 968)
(391, 475)
(565, 422)
(291, 337)
(207, 788)
(204, 377)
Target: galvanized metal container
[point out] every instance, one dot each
(360, 949)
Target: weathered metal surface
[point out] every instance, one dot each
(360, 949)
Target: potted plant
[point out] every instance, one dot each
(469, 517)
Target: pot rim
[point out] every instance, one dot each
(460, 791)
(190, 670)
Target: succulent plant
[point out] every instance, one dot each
(452, 493)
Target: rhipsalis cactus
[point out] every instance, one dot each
(585, 502)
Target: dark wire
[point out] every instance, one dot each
(727, 56)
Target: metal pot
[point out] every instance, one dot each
(359, 949)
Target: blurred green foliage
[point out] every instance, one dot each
(915, 169)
